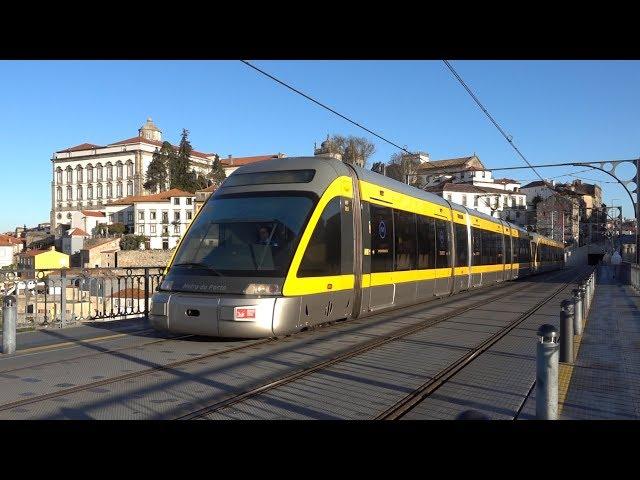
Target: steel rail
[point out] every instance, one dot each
(358, 350)
(409, 402)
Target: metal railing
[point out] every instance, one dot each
(63, 297)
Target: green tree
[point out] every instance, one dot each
(105, 229)
(132, 242)
(157, 171)
(180, 175)
(217, 175)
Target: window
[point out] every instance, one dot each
(462, 245)
(464, 200)
(129, 169)
(121, 217)
(165, 230)
(176, 201)
(449, 196)
(189, 215)
(141, 229)
(99, 172)
(326, 253)
(129, 188)
(129, 217)
(118, 190)
(405, 240)
(476, 246)
(521, 201)
(119, 170)
(516, 250)
(59, 175)
(513, 201)
(499, 239)
(99, 191)
(165, 216)
(140, 214)
(109, 190)
(189, 201)
(152, 228)
(69, 193)
(153, 214)
(69, 175)
(79, 193)
(90, 192)
(176, 229)
(79, 174)
(443, 253)
(381, 239)
(176, 216)
(89, 173)
(109, 171)
(475, 200)
(59, 194)
(426, 242)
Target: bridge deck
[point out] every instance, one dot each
(129, 372)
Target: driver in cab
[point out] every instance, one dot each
(266, 238)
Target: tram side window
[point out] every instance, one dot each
(426, 242)
(487, 248)
(381, 239)
(476, 246)
(405, 239)
(499, 247)
(323, 254)
(462, 246)
(516, 249)
(507, 250)
(443, 252)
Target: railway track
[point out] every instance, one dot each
(504, 289)
(408, 402)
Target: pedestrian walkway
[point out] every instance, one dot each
(604, 382)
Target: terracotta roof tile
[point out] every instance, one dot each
(157, 143)
(239, 161)
(78, 232)
(82, 146)
(90, 213)
(156, 197)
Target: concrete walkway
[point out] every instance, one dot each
(604, 381)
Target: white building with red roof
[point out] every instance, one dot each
(162, 217)
(87, 176)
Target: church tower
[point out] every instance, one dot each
(149, 131)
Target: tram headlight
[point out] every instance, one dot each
(262, 289)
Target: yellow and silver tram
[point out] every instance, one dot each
(289, 243)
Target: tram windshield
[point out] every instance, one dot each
(245, 236)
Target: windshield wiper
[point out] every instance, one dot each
(198, 265)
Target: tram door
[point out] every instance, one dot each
(508, 275)
(381, 221)
(444, 246)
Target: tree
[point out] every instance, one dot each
(157, 171)
(179, 174)
(354, 150)
(535, 201)
(216, 175)
(378, 167)
(132, 242)
(103, 228)
(402, 165)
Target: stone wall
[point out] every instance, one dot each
(143, 258)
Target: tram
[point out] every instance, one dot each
(290, 243)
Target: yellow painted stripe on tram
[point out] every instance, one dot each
(293, 285)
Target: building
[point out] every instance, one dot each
(43, 260)
(496, 202)
(231, 164)
(99, 252)
(88, 176)
(73, 241)
(557, 217)
(202, 196)
(9, 248)
(162, 217)
(455, 170)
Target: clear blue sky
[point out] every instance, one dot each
(557, 111)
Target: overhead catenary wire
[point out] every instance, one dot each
(508, 138)
(326, 107)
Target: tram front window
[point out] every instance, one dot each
(245, 236)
